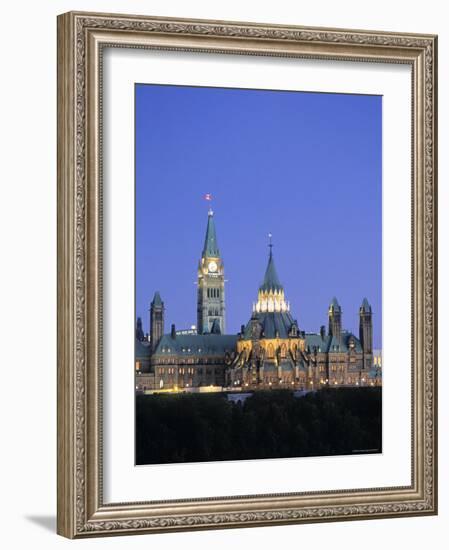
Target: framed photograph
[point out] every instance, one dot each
(247, 248)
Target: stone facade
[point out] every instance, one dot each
(273, 352)
(270, 351)
(189, 361)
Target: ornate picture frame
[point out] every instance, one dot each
(82, 38)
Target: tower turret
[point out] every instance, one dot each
(211, 292)
(335, 319)
(157, 314)
(366, 327)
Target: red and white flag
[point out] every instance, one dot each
(207, 197)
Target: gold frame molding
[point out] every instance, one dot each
(81, 38)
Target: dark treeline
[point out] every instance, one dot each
(270, 424)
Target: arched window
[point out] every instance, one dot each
(283, 351)
(270, 351)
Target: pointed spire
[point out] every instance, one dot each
(210, 248)
(365, 307)
(271, 279)
(334, 305)
(157, 300)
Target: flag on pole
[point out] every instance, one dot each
(207, 197)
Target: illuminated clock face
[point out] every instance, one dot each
(212, 267)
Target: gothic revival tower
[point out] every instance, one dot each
(211, 291)
(157, 314)
(335, 319)
(366, 327)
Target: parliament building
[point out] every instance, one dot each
(270, 351)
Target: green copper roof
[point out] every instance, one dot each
(274, 324)
(210, 248)
(142, 350)
(331, 344)
(196, 345)
(271, 279)
(157, 300)
(365, 306)
(335, 305)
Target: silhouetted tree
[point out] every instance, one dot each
(269, 424)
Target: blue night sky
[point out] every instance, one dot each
(306, 167)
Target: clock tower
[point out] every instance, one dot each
(211, 291)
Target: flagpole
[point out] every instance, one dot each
(208, 198)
